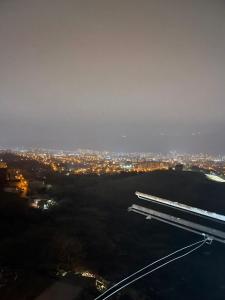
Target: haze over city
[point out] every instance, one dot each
(115, 75)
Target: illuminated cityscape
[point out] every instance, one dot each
(90, 162)
(82, 162)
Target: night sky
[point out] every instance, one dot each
(120, 75)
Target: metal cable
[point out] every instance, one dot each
(151, 271)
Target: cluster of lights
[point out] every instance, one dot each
(95, 162)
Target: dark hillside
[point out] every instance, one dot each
(117, 242)
(92, 228)
(186, 187)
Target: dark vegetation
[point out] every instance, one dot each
(91, 228)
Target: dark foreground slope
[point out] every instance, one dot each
(91, 228)
(198, 276)
(117, 242)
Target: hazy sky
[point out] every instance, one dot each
(122, 75)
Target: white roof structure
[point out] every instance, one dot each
(181, 206)
(208, 232)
